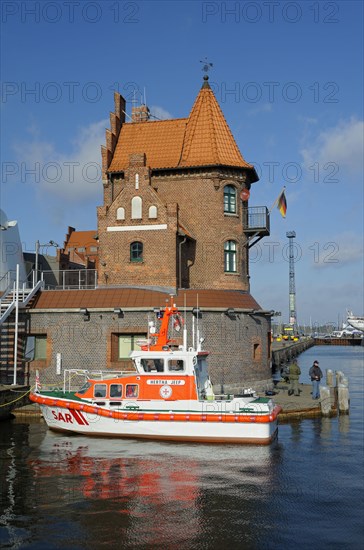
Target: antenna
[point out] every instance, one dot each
(292, 286)
(134, 100)
(126, 114)
(197, 328)
(145, 96)
(185, 325)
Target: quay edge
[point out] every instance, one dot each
(283, 352)
(12, 398)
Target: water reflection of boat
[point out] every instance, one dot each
(105, 469)
(144, 493)
(168, 396)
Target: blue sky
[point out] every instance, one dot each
(288, 76)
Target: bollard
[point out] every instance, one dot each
(329, 378)
(343, 398)
(325, 400)
(339, 376)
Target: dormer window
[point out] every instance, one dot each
(229, 199)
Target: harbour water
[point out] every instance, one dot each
(305, 490)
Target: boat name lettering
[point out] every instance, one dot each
(166, 382)
(64, 417)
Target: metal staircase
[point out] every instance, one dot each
(10, 298)
(13, 331)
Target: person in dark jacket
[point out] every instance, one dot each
(316, 374)
(294, 376)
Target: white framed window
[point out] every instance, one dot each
(229, 199)
(136, 208)
(230, 256)
(120, 213)
(153, 212)
(128, 343)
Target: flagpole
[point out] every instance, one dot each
(277, 199)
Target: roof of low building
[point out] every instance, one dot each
(126, 297)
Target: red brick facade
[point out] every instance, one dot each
(180, 221)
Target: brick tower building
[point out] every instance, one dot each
(172, 214)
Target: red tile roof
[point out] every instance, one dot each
(142, 298)
(81, 239)
(202, 139)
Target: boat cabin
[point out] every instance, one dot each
(173, 375)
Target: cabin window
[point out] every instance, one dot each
(116, 390)
(153, 212)
(100, 390)
(136, 208)
(229, 199)
(84, 388)
(152, 365)
(230, 256)
(176, 365)
(128, 343)
(132, 390)
(136, 252)
(93, 248)
(120, 213)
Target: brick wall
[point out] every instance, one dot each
(88, 345)
(191, 199)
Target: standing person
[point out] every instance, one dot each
(294, 376)
(316, 374)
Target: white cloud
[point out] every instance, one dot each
(73, 177)
(342, 145)
(263, 108)
(338, 251)
(160, 113)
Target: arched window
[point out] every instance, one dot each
(230, 256)
(230, 199)
(153, 212)
(136, 208)
(136, 252)
(120, 213)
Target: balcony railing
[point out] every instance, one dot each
(69, 279)
(256, 219)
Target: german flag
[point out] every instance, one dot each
(282, 204)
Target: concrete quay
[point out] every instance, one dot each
(284, 351)
(302, 406)
(11, 398)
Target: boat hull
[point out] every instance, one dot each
(175, 426)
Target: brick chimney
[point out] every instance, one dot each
(140, 114)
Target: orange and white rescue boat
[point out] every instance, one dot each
(169, 396)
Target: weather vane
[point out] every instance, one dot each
(206, 65)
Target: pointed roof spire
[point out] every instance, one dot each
(208, 139)
(206, 81)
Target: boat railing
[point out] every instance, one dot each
(70, 375)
